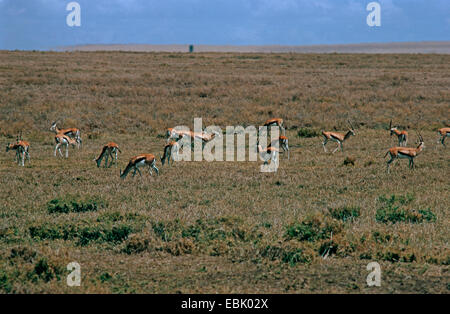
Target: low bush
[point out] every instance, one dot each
(312, 229)
(71, 204)
(345, 213)
(307, 133)
(393, 210)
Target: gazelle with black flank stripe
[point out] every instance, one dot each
(337, 137)
(443, 134)
(21, 147)
(170, 150)
(64, 140)
(109, 150)
(401, 135)
(405, 153)
(139, 161)
(71, 132)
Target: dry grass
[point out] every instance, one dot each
(223, 226)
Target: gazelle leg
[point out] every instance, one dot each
(106, 159)
(323, 144)
(67, 150)
(156, 169)
(56, 147)
(336, 148)
(150, 170)
(389, 163)
(23, 158)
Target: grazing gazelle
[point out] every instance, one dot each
(283, 143)
(109, 150)
(337, 137)
(71, 132)
(270, 153)
(64, 140)
(443, 134)
(21, 148)
(405, 152)
(276, 121)
(170, 150)
(139, 161)
(402, 135)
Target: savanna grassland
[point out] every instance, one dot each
(224, 227)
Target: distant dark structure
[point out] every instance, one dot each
(191, 48)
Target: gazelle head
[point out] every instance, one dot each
(8, 146)
(53, 127)
(351, 130)
(421, 141)
(97, 161)
(392, 129)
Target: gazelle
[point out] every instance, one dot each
(172, 134)
(64, 140)
(405, 152)
(109, 150)
(276, 121)
(402, 135)
(71, 132)
(21, 148)
(337, 137)
(443, 134)
(207, 137)
(139, 161)
(270, 153)
(170, 150)
(283, 142)
(203, 136)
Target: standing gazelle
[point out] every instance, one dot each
(283, 142)
(109, 150)
(139, 161)
(270, 153)
(21, 148)
(71, 132)
(64, 140)
(443, 134)
(405, 152)
(401, 135)
(337, 137)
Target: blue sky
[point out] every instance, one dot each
(41, 24)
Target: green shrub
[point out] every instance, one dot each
(328, 247)
(5, 284)
(288, 255)
(294, 256)
(311, 230)
(84, 235)
(105, 277)
(307, 133)
(392, 210)
(71, 204)
(42, 270)
(345, 213)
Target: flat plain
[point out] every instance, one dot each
(224, 227)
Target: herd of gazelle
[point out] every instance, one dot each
(72, 136)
